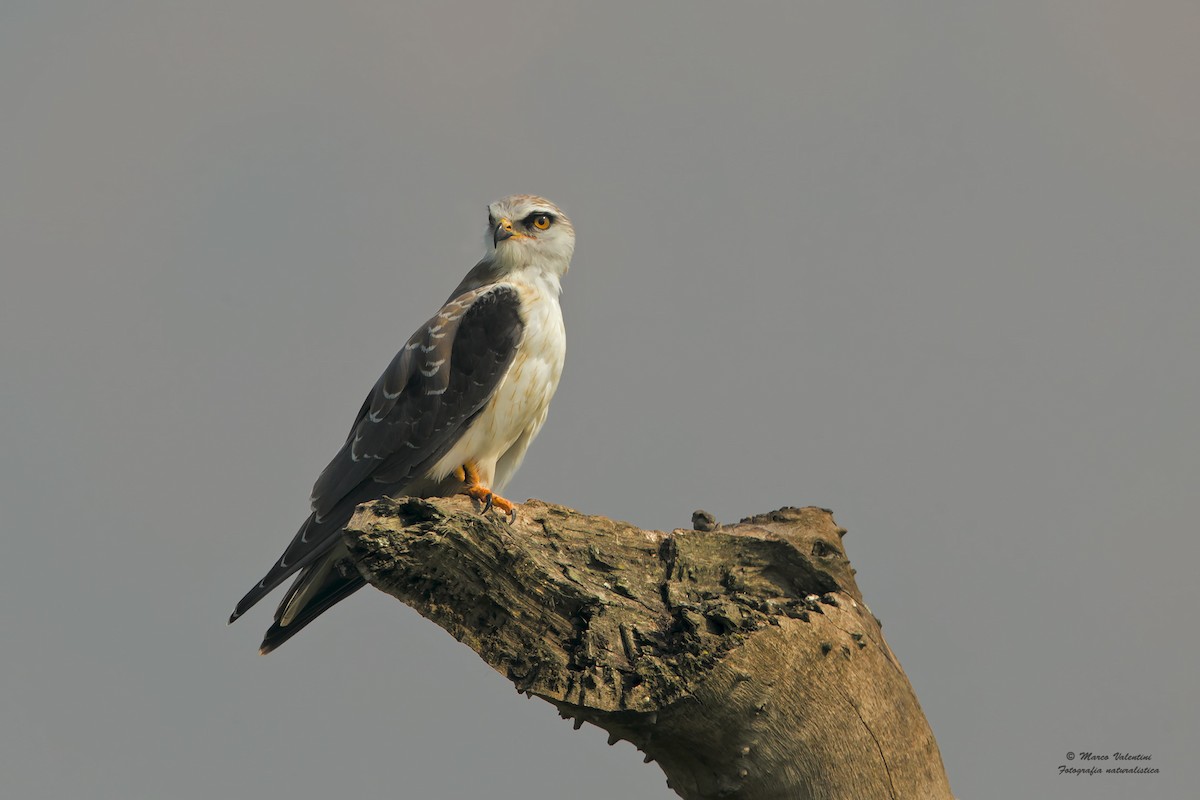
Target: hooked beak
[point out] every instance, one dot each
(504, 230)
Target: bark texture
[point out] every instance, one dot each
(742, 659)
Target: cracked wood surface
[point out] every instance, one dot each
(741, 658)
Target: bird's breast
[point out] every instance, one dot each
(523, 397)
(517, 409)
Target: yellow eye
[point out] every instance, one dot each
(541, 222)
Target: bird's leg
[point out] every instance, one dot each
(469, 474)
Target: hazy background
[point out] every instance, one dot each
(933, 265)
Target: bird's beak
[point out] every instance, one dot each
(504, 230)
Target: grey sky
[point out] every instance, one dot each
(932, 265)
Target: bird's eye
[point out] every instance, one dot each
(541, 222)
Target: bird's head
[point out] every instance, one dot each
(526, 231)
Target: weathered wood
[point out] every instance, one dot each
(742, 659)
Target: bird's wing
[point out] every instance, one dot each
(417, 410)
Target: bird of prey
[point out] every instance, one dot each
(453, 413)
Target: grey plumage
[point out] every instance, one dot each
(465, 396)
(409, 420)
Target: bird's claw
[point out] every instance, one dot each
(510, 513)
(492, 501)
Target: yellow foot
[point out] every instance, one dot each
(469, 475)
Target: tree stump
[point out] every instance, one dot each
(741, 659)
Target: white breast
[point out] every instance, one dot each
(497, 439)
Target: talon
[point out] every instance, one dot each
(477, 491)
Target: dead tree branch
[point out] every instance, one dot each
(741, 659)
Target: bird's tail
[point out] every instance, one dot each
(317, 588)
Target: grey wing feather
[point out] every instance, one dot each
(418, 408)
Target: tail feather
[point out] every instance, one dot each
(315, 539)
(316, 590)
(318, 555)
